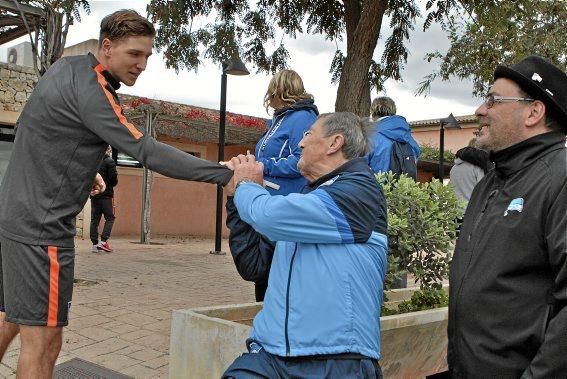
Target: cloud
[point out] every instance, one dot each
(311, 44)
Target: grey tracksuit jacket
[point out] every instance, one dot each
(61, 136)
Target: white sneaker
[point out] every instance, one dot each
(94, 249)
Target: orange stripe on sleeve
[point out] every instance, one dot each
(117, 110)
(53, 286)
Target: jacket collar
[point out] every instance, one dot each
(107, 75)
(516, 157)
(354, 165)
(303, 104)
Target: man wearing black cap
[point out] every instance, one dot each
(508, 279)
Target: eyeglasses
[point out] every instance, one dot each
(490, 100)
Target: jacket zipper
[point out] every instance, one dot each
(270, 133)
(479, 218)
(287, 349)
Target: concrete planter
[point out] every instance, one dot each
(205, 341)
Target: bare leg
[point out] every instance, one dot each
(8, 331)
(40, 349)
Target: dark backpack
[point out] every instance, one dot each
(402, 160)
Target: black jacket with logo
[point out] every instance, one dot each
(508, 278)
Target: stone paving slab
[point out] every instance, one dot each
(121, 312)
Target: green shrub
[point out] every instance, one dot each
(422, 224)
(432, 153)
(428, 298)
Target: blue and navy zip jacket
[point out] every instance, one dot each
(327, 273)
(278, 149)
(390, 129)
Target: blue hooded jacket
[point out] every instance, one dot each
(389, 129)
(278, 149)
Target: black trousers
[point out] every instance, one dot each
(102, 206)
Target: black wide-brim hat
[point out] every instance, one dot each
(542, 80)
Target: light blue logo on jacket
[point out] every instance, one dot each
(515, 205)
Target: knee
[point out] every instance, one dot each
(42, 340)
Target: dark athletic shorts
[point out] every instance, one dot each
(36, 283)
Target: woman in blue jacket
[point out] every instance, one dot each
(278, 149)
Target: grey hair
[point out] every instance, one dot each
(382, 106)
(357, 132)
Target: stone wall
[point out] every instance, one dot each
(16, 85)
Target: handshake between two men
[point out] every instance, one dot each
(246, 169)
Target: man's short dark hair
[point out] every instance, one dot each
(123, 24)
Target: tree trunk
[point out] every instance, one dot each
(363, 29)
(353, 94)
(147, 181)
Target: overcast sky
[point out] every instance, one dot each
(310, 57)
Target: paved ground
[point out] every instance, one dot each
(123, 301)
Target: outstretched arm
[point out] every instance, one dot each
(102, 114)
(331, 215)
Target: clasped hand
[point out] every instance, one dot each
(245, 167)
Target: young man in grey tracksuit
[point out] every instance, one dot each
(62, 134)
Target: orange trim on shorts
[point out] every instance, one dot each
(117, 109)
(53, 286)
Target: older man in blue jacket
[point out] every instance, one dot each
(321, 315)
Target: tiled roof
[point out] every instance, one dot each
(468, 119)
(193, 123)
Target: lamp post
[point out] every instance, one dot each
(234, 66)
(449, 122)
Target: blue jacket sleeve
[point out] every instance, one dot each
(310, 218)
(379, 157)
(285, 165)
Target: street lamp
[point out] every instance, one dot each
(234, 66)
(449, 122)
